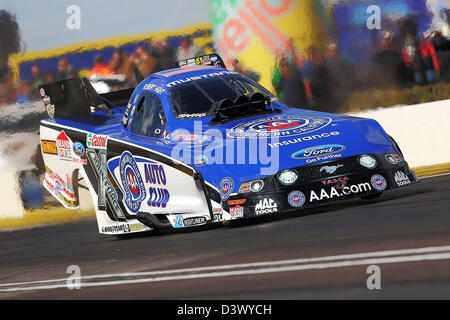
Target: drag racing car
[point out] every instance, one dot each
(201, 144)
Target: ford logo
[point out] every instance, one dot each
(317, 151)
(78, 149)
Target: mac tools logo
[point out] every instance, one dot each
(318, 151)
(132, 182)
(266, 205)
(401, 179)
(282, 126)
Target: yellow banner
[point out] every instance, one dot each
(257, 32)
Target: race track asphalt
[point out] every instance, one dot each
(414, 217)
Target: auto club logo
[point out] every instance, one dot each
(378, 182)
(226, 187)
(296, 199)
(281, 126)
(132, 182)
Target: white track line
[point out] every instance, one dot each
(252, 264)
(379, 257)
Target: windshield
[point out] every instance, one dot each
(196, 98)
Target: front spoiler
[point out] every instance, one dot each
(330, 190)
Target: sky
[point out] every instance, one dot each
(43, 22)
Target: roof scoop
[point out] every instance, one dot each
(242, 106)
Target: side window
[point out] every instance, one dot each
(149, 119)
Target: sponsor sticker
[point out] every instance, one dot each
(235, 202)
(178, 222)
(121, 228)
(50, 108)
(296, 199)
(106, 189)
(49, 147)
(156, 177)
(188, 139)
(154, 88)
(132, 182)
(401, 179)
(318, 151)
(199, 77)
(63, 147)
(191, 115)
(79, 161)
(58, 185)
(46, 100)
(236, 212)
(96, 141)
(282, 126)
(226, 186)
(218, 214)
(135, 227)
(341, 180)
(330, 169)
(339, 192)
(78, 149)
(189, 222)
(378, 182)
(304, 138)
(266, 205)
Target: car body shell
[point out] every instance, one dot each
(196, 172)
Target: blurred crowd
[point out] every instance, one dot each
(324, 78)
(320, 79)
(147, 59)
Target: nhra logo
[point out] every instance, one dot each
(95, 141)
(296, 199)
(317, 151)
(282, 126)
(378, 182)
(226, 187)
(132, 182)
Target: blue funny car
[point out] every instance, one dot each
(201, 144)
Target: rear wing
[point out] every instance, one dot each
(212, 59)
(75, 97)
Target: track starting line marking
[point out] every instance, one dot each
(255, 268)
